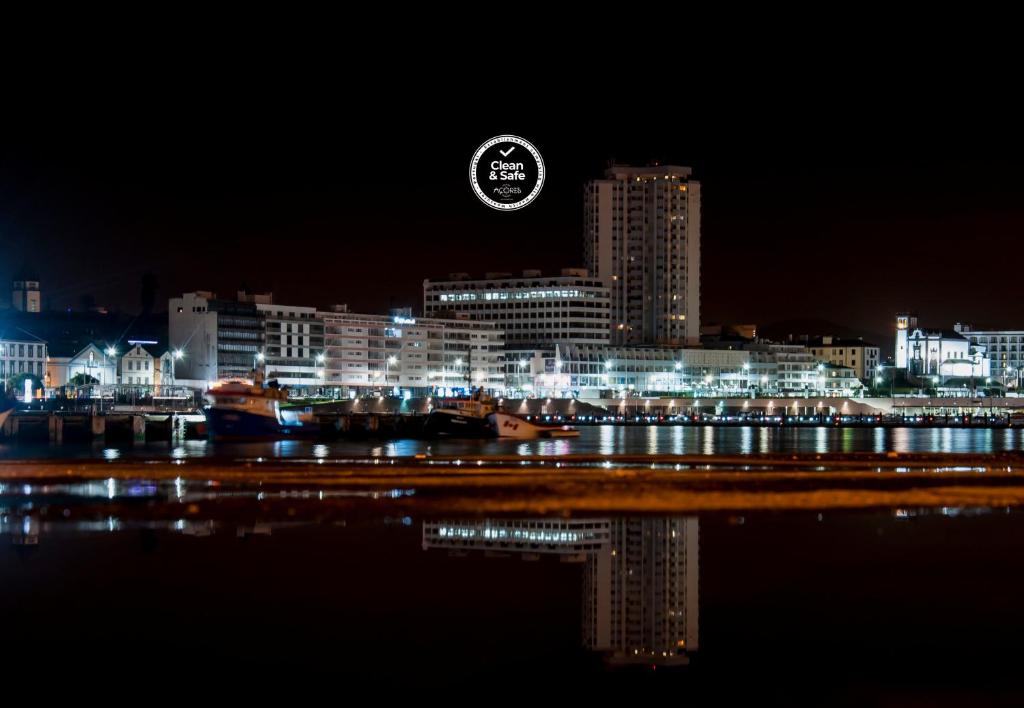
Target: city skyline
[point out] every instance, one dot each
(837, 236)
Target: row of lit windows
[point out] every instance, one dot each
(19, 350)
(21, 367)
(516, 295)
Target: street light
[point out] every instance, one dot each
(112, 353)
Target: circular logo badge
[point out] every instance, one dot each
(507, 172)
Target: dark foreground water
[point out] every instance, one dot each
(897, 607)
(676, 440)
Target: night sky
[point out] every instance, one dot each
(845, 207)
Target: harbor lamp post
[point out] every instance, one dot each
(112, 353)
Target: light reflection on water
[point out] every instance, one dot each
(746, 441)
(603, 440)
(636, 591)
(821, 441)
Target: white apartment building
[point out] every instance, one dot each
(377, 353)
(784, 369)
(1004, 350)
(293, 345)
(642, 240)
(22, 355)
(138, 367)
(534, 311)
(839, 381)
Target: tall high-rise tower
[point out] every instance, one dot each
(642, 238)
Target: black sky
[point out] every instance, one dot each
(844, 201)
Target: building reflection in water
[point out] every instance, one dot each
(640, 576)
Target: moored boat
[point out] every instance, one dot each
(461, 418)
(480, 417)
(242, 411)
(507, 425)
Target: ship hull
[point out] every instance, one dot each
(513, 427)
(223, 424)
(455, 425)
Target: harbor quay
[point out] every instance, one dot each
(393, 417)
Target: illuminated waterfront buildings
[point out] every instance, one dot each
(378, 353)
(1003, 349)
(534, 311)
(944, 353)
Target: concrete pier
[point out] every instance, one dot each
(60, 427)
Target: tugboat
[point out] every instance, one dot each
(244, 411)
(480, 417)
(462, 418)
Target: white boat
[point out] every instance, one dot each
(481, 417)
(507, 425)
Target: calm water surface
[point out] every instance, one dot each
(680, 440)
(854, 608)
(133, 589)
